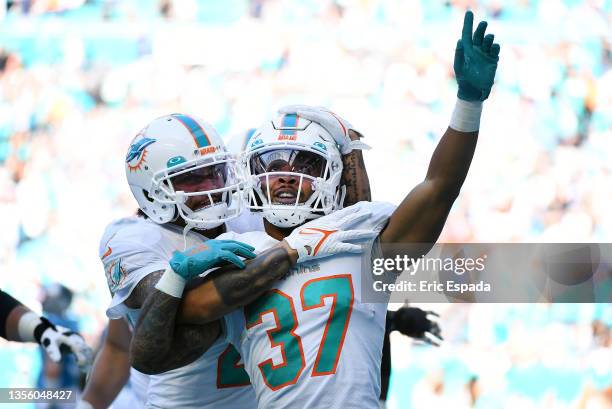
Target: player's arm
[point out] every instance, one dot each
(11, 312)
(19, 323)
(422, 214)
(166, 337)
(355, 175)
(206, 299)
(230, 288)
(160, 343)
(111, 369)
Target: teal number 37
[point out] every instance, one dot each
(340, 289)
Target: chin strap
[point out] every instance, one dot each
(188, 227)
(341, 196)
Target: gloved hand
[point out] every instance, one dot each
(57, 340)
(337, 127)
(475, 61)
(212, 253)
(418, 324)
(330, 235)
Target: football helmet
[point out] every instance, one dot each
(178, 166)
(292, 170)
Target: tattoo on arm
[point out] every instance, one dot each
(160, 344)
(240, 287)
(355, 177)
(143, 289)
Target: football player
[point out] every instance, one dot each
(183, 179)
(19, 323)
(312, 340)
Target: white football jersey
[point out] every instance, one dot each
(133, 248)
(311, 341)
(134, 393)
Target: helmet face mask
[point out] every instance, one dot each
(184, 171)
(203, 191)
(293, 174)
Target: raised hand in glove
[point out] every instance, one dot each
(476, 58)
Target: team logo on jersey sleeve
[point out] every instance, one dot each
(115, 275)
(137, 153)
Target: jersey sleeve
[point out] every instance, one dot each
(128, 256)
(380, 212)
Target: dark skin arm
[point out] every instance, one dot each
(230, 288)
(355, 176)
(111, 369)
(173, 332)
(12, 322)
(422, 214)
(159, 344)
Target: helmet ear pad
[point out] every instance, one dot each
(158, 212)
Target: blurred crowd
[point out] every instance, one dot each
(79, 78)
(501, 356)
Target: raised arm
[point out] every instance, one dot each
(355, 175)
(422, 214)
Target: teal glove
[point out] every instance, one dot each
(475, 61)
(212, 253)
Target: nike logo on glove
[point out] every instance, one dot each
(326, 234)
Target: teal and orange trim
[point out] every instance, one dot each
(200, 137)
(288, 121)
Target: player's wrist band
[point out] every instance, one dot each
(171, 283)
(466, 116)
(31, 326)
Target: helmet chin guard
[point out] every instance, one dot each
(284, 141)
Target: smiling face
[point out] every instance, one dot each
(281, 171)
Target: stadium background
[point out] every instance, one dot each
(79, 78)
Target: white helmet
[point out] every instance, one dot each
(179, 146)
(300, 157)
